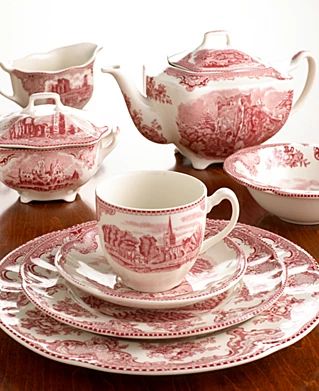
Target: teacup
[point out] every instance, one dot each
(152, 223)
(67, 71)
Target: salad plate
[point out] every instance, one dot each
(288, 320)
(82, 263)
(260, 287)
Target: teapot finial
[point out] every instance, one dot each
(210, 39)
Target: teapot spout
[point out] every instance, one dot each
(145, 118)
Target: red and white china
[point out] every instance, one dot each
(282, 178)
(214, 100)
(48, 151)
(81, 262)
(67, 71)
(152, 223)
(288, 320)
(265, 277)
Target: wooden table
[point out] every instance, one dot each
(294, 368)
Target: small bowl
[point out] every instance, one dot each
(282, 178)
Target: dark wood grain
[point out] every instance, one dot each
(294, 368)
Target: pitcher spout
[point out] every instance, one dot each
(145, 118)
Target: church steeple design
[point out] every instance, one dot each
(169, 237)
(140, 252)
(170, 233)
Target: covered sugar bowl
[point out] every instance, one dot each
(48, 151)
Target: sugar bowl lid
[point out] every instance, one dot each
(48, 125)
(206, 58)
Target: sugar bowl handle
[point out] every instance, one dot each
(297, 58)
(213, 200)
(109, 141)
(43, 96)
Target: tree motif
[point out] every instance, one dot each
(287, 157)
(148, 247)
(153, 131)
(123, 241)
(157, 91)
(216, 125)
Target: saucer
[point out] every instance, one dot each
(82, 263)
(260, 287)
(288, 320)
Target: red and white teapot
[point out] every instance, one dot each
(213, 102)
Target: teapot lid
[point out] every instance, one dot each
(221, 61)
(48, 125)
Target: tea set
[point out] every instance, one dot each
(120, 293)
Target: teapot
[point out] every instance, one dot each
(212, 102)
(67, 71)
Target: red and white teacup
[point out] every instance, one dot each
(152, 223)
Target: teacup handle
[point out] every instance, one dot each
(213, 200)
(41, 96)
(297, 58)
(11, 97)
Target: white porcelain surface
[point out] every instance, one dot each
(282, 178)
(151, 225)
(81, 262)
(66, 70)
(214, 100)
(48, 151)
(265, 277)
(293, 316)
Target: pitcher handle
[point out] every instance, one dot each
(295, 61)
(213, 200)
(11, 97)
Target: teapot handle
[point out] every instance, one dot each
(41, 96)
(295, 61)
(11, 97)
(209, 40)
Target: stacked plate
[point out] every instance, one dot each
(249, 296)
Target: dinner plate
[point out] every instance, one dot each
(82, 263)
(289, 319)
(261, 286)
